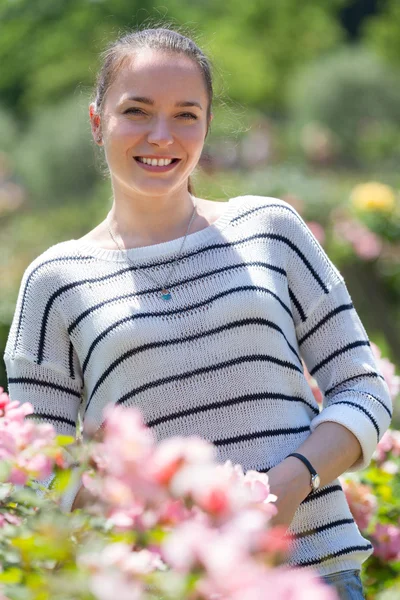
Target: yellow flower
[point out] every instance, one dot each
(373, 196)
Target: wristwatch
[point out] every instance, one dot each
(315, 479)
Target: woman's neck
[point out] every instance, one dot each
(152, 220)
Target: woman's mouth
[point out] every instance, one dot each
(157, 165)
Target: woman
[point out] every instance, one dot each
(199, 313)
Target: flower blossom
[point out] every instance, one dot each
(373, 196)
(362, 502)
(389, 444)
(366, 244)
(388, 370)
(386, 538)
(29, 448)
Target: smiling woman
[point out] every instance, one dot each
(151, 114)
(201, 314)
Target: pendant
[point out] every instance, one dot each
(166, 295)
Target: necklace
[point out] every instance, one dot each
(165, 292)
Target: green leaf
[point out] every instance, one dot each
(11, 576)
(65, 440)
(5, 490)
(5, 470)
(61, 481)
(28, 497)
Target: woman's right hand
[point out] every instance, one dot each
(83, 498)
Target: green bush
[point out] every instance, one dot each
(354, 95)
(55, 158)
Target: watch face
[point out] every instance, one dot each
(316, 482)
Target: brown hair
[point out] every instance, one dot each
(163, 39)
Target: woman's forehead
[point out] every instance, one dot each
(153, 72)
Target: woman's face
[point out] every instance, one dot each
(155, 109)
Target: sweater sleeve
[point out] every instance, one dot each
(41, 363)
(334, 344)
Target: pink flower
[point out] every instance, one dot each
(390, 443)
(362, 502)
(9, 518)
(317, 230)
(111, 585)
(366, 244)
(386, 539)
(171, 454)
(4, 400)
(204, 486)
(258, 485)
(313, 385)
(127, 441)
(387, 369)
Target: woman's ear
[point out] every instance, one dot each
(209, 124)
(95, 123)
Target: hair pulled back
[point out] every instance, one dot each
(166, 40)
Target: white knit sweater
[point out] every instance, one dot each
(252, 293)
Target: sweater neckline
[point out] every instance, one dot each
(164, 248)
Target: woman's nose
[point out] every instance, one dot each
(160, 133)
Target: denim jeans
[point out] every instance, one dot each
(347, 583)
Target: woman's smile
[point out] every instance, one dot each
(157, 165)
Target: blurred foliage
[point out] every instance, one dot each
(382, 32)
(56, 154)
(355, 96)
(52, 46)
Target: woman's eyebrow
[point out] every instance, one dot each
(144, 100)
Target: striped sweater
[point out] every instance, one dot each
(253, 294)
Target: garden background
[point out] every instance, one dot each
(307, 109)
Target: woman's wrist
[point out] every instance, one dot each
(290, 477)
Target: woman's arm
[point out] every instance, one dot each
(41, 363)
(334, 345)
(331, 449)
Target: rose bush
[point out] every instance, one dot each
(167, 521)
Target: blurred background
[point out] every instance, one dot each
(307, 109)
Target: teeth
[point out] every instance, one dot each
(162, 162)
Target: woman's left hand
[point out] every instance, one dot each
(291, 484)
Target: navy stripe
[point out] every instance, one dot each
(59, 259)
(179, 283)
(286, 240)
(329, 316)
(371, 374)
(54, 297)
(224, 403)
(71, 360)
(189, 338)
(369, 396)
(338, 353)
(346, 550)
(371, 418)
(49, 417)
(41, 383)
(260, 434)
(242, 288)
(298, 306)
(208, 369)
(320, 528)
(324, 492)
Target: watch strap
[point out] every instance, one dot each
(305, 461)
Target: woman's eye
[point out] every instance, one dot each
(134, 111)
(188, 116)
